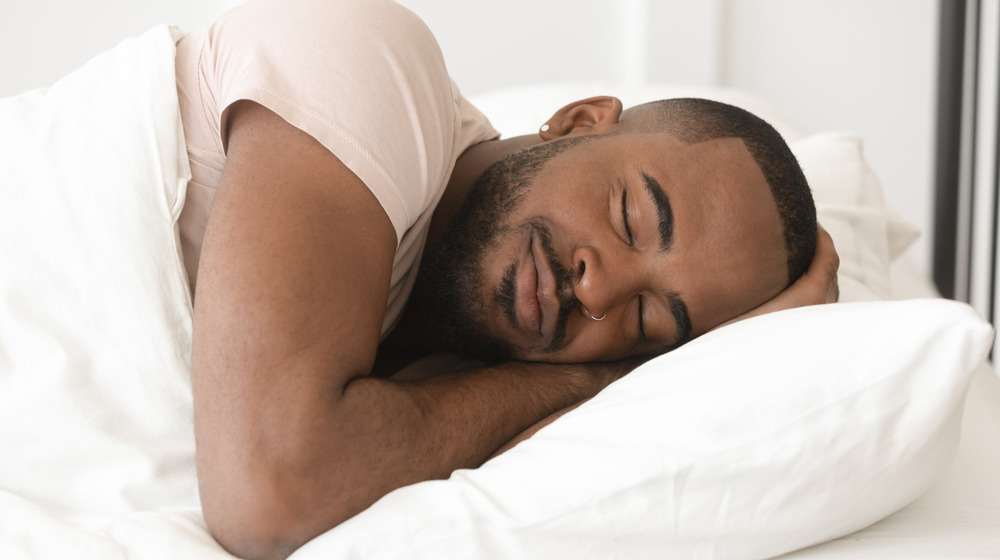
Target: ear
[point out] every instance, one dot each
(594, 115)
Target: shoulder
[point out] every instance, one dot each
(330, 61)
(354, 25)
(366, 78)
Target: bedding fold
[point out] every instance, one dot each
(95, 315)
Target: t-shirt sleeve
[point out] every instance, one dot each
(365, 78)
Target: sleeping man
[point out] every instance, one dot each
(329, 146)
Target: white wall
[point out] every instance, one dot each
(42, 40)
(867, 66)
(862, 65)
(489, 44)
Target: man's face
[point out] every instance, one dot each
(660, 240)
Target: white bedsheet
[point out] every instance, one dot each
(96, 452)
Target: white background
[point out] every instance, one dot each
(861, 65)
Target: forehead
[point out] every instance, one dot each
(730, 241)
(721, 169)
(721, 158)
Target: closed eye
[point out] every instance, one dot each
(631, 241)
(642, 326)
(628, 229)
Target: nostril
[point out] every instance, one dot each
(582, 268)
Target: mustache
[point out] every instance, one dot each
(565, 277)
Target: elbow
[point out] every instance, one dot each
(251, 541)
(253, 527)
(254, 549)
(268, 506)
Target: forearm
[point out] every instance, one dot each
(475, 412)
(348, 450)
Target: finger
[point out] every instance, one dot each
(827, 257)
(826, 252)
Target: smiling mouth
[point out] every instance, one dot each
(533, 304)
(546, 291)
(527, 309)
(536, 294)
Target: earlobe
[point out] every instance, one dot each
(594, 115)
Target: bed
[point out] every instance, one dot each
(865, 429)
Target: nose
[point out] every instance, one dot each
(605, 281)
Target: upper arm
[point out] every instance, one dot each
(297, 255)
(293, 283)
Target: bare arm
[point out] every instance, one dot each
(292, 435)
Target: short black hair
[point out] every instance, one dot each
(693, 120)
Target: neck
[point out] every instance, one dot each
(468, 168)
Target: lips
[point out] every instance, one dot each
(536, 302)
(548, 300)
(526, 305)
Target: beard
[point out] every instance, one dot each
(450, 284)
(450, 288)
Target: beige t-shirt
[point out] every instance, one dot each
(365, 78)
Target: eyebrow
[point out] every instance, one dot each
(663, 211)
(680, 312)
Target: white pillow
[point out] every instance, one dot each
(760, 438)
(850, 205)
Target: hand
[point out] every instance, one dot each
(817, 286)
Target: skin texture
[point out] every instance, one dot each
(293, 434)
